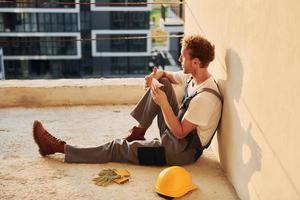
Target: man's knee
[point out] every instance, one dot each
(165, 81)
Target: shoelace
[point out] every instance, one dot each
(53, 139)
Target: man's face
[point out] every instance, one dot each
(185, 60)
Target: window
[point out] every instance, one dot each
(120, 1)
(137, 45)
(39, 45)
(54, 24)
(60, 22)
(119, 65)
(68, 22)
(41, 22)
(121, 45)
(118, 45)
(118, 20)
(1, 22)
(47, 22)
(129, 20)
(38, 4)
(138, 65)
(138, 20)
(73, 22)
(34, 24)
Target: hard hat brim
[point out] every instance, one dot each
(177, 194)
(194, 187)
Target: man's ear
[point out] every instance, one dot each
(196, 61)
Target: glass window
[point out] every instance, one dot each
(121, 1)
(38, 4)
(138, 20)
(119, 65)
(138, 65)
(137, 45)
(41, 22)
(118, 45)
(1, 22)
(34, 22)
(119, 20)
(60, 22)
(39, 45)
(102, 45)
(68, 23)
(47, 21)
(54, 22)
(74, 22)
(26, 22)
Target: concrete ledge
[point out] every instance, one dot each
(70, 92)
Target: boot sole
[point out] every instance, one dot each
(35, 137)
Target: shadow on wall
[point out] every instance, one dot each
(239, 153)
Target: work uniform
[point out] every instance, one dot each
(167, 151)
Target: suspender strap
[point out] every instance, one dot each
(221, 99)
(212, 91)
(187, 99)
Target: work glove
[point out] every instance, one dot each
(106, 176)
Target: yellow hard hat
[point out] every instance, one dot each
(174, 182)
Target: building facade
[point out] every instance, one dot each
(172, 22)
(74, 38)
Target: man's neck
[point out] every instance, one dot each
(200, 76)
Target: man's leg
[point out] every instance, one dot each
(47, 143)
(138, 152)
(119, 150)
(146, 109)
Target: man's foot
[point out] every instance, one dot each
(136, 133)
(47, 143)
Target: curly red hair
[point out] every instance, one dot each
(199, 48)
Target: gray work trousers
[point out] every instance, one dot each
(177, 151)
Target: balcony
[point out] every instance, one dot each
(99, 105)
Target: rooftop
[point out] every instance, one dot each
(25, 174)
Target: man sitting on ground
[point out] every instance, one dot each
(185, 130)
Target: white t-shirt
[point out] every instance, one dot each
(204, 109)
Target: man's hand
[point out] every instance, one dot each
(159, 96)
(148, 78)
(157, 74)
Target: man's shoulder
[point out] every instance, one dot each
(207, 96)
(212, 84)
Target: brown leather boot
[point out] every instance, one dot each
(136, 133)
(47, 143)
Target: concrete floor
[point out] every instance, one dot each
(24, 174)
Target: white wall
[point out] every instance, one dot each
(257, 64)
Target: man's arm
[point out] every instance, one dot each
(157, 74)
(169, 75)
(180, 129)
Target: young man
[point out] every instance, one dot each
(185, 131)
